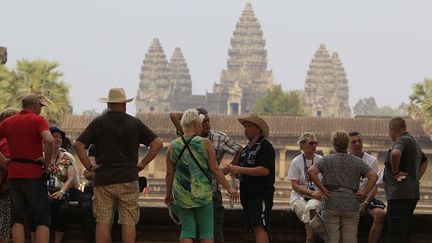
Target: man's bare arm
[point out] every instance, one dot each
(396, 155)
(251, 171)
(82, 155)
(175, 119)
(48, 146)
(423, 167)
(154, 148)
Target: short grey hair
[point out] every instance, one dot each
(340, 140)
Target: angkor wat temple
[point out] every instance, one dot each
(167, 86)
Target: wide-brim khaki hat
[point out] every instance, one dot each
(116, 95)
(258, 121)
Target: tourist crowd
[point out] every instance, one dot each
(39, 177)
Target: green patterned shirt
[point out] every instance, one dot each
(191, 188)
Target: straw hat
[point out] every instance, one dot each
(258, 121)
(116, 95)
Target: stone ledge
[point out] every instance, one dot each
(156, 226)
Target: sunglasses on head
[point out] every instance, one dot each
(312, 143)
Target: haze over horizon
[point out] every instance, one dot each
(385, 46)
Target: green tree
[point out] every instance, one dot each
(368, 107)
(37, 76)
(365, 107)
(421, 102)
(277, 101)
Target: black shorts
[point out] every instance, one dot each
(257, 213)
(30, 198)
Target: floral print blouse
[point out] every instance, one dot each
(59, 168)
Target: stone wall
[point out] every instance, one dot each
(156, 226)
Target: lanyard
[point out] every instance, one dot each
(309, 182)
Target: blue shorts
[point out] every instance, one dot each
(29, 197)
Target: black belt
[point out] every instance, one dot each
(335, 187)
(28, 161)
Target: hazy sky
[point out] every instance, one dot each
(385, 46)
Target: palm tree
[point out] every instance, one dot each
(37, 76)
(421, 102)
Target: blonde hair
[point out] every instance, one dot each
(7, 113)
(189, 117)
(304, 137)
(340, 140)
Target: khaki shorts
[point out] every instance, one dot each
(125, 194)
(302, 208)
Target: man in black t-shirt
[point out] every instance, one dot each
(117, 137)
(257, 176)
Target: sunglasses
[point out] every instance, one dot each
(311, 143)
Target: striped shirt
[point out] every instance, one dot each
(222, 144)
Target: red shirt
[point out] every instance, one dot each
(23, 133)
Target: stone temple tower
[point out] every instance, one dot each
(154, 87)
(326, 86)
(181, 97)
(341, 83)
(179, 76)
(246, 77)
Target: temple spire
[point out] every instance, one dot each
(154, 88)
(247, 62)
(179, 76)
(326, 86)
(342, 89)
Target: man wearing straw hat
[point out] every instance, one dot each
(257, 176)
(117, 137)
(26, 132)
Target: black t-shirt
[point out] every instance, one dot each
(117, 137)
(260, 154)
(91, 152)
(412, 157)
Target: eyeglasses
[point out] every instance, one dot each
(312, 143)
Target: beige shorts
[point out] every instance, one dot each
(302, 208)
(125, 194)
